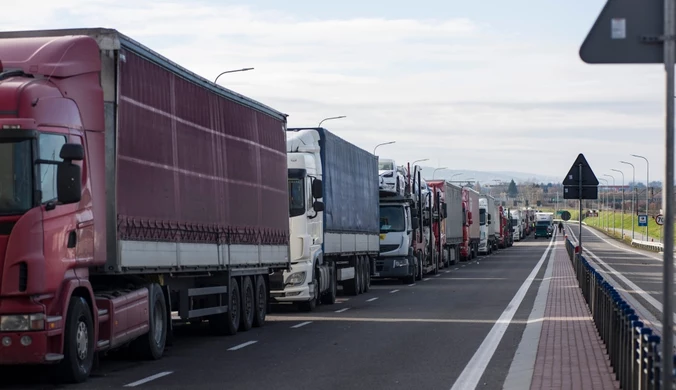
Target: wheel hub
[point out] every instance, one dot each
(82, 340)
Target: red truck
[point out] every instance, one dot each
(130, 189)
(506, 236)
(469, 248)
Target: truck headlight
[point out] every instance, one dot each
(401, 263)
(22, 322)
(296, 278)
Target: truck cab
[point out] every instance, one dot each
(397, 224)
(485, 219)
(516, 225)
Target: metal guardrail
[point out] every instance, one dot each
(649, 245)
(634, 350)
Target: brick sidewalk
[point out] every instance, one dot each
(570, 353)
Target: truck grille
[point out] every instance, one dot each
(389, 247)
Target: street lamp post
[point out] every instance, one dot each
(384, 143)
(617, 170)
(613, 177)
(604, 200)
(633, 195)
(435, 171)
(454, 175)
(330, 118)
(647, 192)
(232, 71)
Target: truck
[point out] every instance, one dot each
(132, 192)
(517, 225)
(544, 225)
(471, 232)
(449, 219)
(334, 218)
(423, 243)
(505, 238)
(489, 223)
(398, 226)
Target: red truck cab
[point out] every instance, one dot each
(466, 252)
(51, 116)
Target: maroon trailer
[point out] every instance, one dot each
(132, 192)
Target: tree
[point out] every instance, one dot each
(512, 190)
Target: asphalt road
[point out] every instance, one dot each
(396, 336)
(635, 273)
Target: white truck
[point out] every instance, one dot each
(487, 222)
(334, 218)
(516, 224)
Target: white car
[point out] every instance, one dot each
(392, 177)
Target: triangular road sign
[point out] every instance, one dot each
(626, 32)
(573, 176)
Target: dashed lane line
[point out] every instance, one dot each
(148, 379)
(240, 346)
(301, 324)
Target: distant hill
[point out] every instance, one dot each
(488, 177)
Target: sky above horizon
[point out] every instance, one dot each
(490, 86)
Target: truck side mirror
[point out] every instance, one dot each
(414, 223)
(318, 206)
(317, 189)
(69, 175)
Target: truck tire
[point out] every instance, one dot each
(226, 324)
(367, 273)
(151, 345)
(78, 347)
(351, 286)
(248, 304)
(261, 302)
(329, 297)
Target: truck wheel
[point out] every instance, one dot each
(329, 297)
(226, 324)
(310, 305)
(150, 346)
(78, 347)
(261, 302)
(248, 304)
(367, 274)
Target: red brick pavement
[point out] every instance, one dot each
(570, 354)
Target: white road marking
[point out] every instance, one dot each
(426, 279)
(448, 272)
(475, 368)
(411, 285)
(343, 310)
(301, 324)
(393, 291)
(437, 275)
(455, 269)
(148, 379)
(520, 372)
(464, 265)
(372, 299)
(236, 347)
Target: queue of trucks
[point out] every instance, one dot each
(136, 195)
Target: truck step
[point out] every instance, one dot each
(53, 357)
(102, 344)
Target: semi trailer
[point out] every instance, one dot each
(132, 192)
(334, 218)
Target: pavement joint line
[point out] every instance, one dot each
(475, 368)
(393, 291)
(240, 346)
(148, 379)
(301, 324)
(372, 299)
(520, 374)
(343, 310)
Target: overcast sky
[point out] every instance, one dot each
(485, 85)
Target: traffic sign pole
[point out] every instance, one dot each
(579, 241)
(668, 198)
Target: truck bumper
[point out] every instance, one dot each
(298, 293)
(13, 348)
(392, 267)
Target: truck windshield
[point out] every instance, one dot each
(482, 217)
(392, 219)
(296, 197)
(385, 166)
(15, 177)
(543, 223)
(515, 222)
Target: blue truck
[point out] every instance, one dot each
(334, 218)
